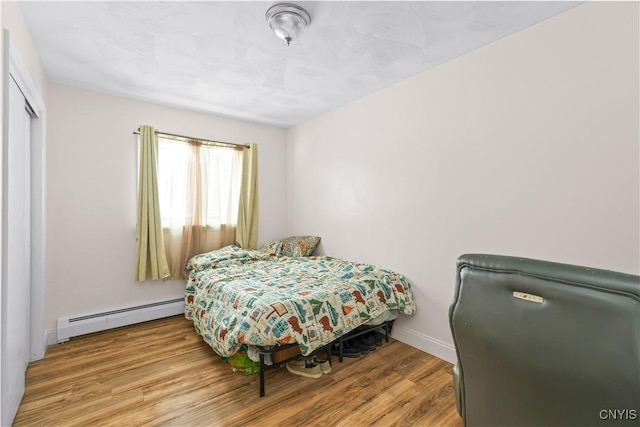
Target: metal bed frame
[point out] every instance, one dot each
(386, 326)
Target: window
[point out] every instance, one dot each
(199, 190)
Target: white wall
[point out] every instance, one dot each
(91, 211)
(527, 147)
(13, 21)
(1, 173)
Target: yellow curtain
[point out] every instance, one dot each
(151, 262)
(247, 226)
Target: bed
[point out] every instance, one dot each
(263, 299)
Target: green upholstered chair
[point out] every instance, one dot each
(545, 344)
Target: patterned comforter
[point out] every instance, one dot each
(236, 296)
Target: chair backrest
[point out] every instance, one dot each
(545, 344)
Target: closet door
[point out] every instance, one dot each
(16, 254)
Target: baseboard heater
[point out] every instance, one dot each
(74, 326)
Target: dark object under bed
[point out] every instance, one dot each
(328, 349)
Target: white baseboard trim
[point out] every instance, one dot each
(50, 337)
(433, 346)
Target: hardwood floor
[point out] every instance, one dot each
(163, 373)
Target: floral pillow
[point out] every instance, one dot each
(299, 245)
(273, 247)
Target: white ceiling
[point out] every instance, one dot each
(222, 58)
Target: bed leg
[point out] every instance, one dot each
(340, 353)
(262, 368)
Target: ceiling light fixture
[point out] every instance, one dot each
(288, 21)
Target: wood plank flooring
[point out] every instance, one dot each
(162, 373)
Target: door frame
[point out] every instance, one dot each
(15, 68)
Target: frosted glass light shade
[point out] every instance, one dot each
(287, 21)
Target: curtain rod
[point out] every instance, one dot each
(206, 141)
